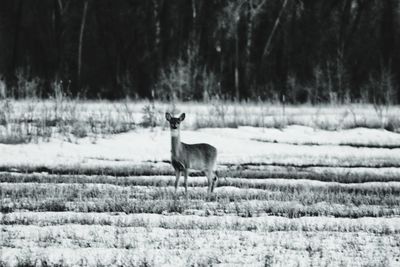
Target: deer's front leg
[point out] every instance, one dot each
(177, 174)
(186, 173)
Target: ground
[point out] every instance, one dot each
(294, 196)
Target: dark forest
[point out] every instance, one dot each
(308, 51)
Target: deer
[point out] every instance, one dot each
(200, 157)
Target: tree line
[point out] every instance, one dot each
(306, 50)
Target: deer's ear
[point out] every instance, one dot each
(167, 116)
(182, 117)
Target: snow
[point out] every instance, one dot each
(235, 146)
(181, 247)
(297, 134)
(196, 238)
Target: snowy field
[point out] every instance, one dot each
(293, 195)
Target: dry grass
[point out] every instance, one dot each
(33, 119)
(77, 220)
(161, 174)
(383, 226)
(275, 198)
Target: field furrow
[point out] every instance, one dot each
(383, 226)
(282, 200)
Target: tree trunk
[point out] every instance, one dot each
(268, 44)
(237, 92)
(17, 30)
(60, 9)
(85, 7)
(157, 25)
(387, 32)
(249, 43)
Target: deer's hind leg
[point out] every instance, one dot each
(209, 175)
(214, 181)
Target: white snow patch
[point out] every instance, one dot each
(234, 146)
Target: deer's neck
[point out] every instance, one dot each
(175, 142)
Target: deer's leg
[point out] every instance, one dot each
(178, 175)
(186, 173)
(214, 181)
(209, 178)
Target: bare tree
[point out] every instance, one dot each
(17, 30)
(271, 34)
(254, 8)
(60, 11)
(82, 29)
(229, 22)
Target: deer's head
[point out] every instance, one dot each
(174, 123)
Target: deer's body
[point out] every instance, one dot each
(191, 156)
